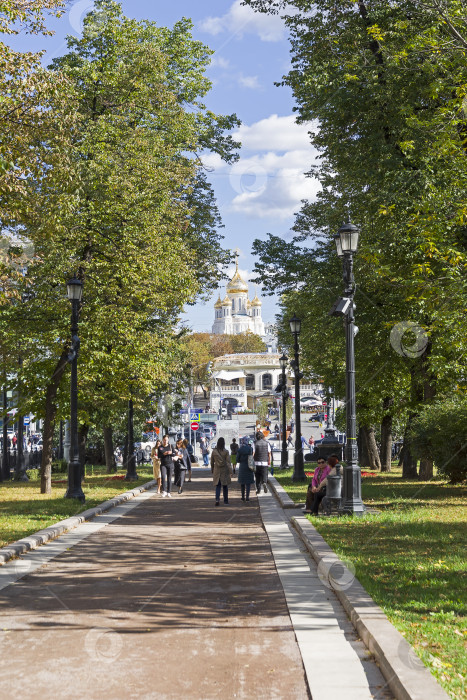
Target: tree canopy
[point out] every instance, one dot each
(203, 348)
(127, 208)
(382, 86)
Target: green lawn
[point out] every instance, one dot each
(411, 558)
(24, 510)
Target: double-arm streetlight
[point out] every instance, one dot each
(299, 471)
(347, 243)
(283, 360)
(74, 490)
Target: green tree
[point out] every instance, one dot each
(247, 342)
(137, 222)
(439, 433)
(203, 348)
(383, 84)
(27, 117)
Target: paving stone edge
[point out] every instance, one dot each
(406, 675)
(53, 531)
(282, 495)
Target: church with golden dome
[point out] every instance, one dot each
(236, 313)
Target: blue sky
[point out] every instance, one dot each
(262, 191)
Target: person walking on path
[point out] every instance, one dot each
(316, 489)
(176, 459)
(262, 458)
(311, 443)
(189, 448)
(156, 464)
(204, 450)
(221, 468)
(233, 453)
(246, 476)
(183, 465)
(166, 454)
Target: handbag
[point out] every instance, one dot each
(251, 463)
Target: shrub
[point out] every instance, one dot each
(60, 466)
(440, 433)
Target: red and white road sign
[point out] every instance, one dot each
(194, 426)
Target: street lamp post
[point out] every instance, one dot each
(284, 453)
(131, 474)
(190, 402)
(74, 490)
(347, 244)
(299, 471)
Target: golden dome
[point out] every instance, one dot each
(226, 301)
(248, 304)
(256, 301)
(218, 303)
(237, 284)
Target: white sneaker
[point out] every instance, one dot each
(164, 494)
(169, 495)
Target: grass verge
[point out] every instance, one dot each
(24, 510)
(410, 557)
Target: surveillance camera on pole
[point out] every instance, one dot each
(341, 307)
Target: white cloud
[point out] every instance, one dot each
(271, 185)
(268, 180)
(241, 19)
(219, 62)
(274, 133)
(249, 81)
(245, 274)
(213, 161)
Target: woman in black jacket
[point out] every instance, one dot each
(166, 455)
(184, 465)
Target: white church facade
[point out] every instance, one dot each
(236, 313)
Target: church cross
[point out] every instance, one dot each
(237, 253)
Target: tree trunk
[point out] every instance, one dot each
(125, 453)
(82, 436)
(371, 447)
(49, 420)
(386, 443)
(109, 450)
(20, 468)
(363, 456)
(426, 469)
(386, 436)
(409, 463)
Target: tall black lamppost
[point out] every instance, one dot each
(346, 243)
(131, 474)
(299, 471)
(283, 360)
(74, 490)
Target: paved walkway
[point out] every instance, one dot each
(176, 598)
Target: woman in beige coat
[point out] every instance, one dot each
(221, 468)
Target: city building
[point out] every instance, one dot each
(237, 381)
(236, 313)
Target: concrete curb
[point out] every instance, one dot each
(53, 531)
(282, 495)
(406, 675)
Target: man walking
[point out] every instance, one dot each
(262, 457)
(204, 451)
(233, 453)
